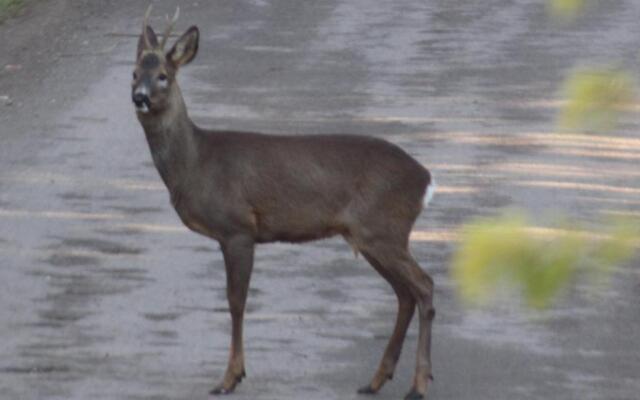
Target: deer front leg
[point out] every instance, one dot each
(238, 260)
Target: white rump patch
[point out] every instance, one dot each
(428, 195)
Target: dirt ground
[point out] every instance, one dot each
(104, 295)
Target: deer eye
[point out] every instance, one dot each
(162, 78)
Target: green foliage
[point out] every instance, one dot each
(619, 246)
(595, 99)
(504, 253)
(8, 7)
(565, 9)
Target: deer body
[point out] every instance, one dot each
(282, 188)
(243, 188)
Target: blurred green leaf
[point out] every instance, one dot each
(484, 255)
(618, 246)
(505, 252)
(8, 7)
(594, 99)
(565, 9)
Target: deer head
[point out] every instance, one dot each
(154, 76)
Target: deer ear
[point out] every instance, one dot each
(153, 41)
(185, 48)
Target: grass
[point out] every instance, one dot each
(8, 8)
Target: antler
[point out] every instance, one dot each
(167, 31)
(144, 27)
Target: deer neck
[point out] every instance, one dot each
(171, 137)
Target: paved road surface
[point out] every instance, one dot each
(103, 295)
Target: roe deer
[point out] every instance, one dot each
(243, 188)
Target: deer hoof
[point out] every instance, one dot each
(413, 395)
(225, 388)
(367, 389)
(220, 390)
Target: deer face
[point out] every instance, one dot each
(154, 76)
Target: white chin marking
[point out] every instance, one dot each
(431, 190)
(144, 109)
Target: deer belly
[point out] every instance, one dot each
(293, 228)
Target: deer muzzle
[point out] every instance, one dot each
(141, 101)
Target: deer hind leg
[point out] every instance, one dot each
(406, 308)
(423, 292)
(400, 267)
(238, 258)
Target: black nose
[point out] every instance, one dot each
(140, 99)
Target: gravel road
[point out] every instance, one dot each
(104, 295)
